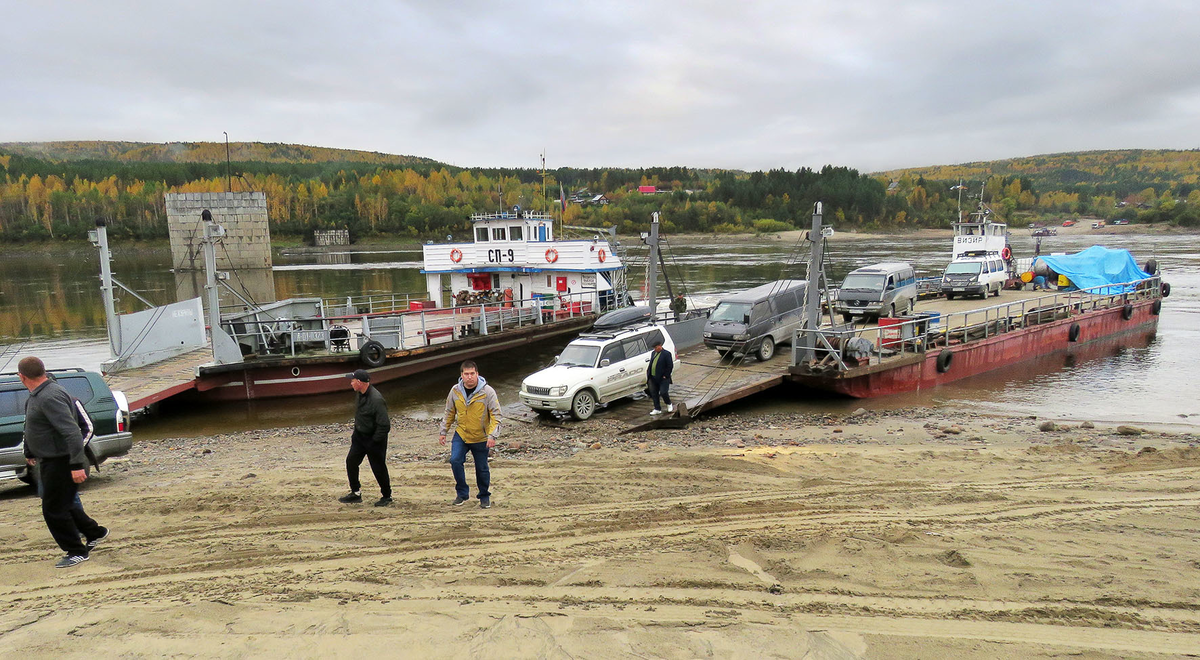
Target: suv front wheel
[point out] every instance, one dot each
(583, 405)
(766, 350)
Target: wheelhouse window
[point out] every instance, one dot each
(516, 233)
(481, 234)
(498, 234)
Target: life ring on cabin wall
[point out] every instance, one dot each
(1006, 253)
(551, 255)
(601, 255)
(456, 255)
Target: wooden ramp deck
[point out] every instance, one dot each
(155, 382)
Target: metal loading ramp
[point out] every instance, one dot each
(703, 381)
(154, 382)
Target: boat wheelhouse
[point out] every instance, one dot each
(516, 256)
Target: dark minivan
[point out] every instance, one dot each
(756, 320)
(107, 408)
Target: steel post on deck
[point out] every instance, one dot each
(483, 319)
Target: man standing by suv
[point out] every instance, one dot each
(473, 412)
(371, 426)
(658, 377)
(54, 443)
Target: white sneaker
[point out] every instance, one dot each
(656, 411)
(670, 407)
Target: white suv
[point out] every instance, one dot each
(595, 368)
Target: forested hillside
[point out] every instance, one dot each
(55, 190)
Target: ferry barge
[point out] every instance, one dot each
(514, 284)
(926, 350)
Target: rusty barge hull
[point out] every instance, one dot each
(1097, 330)
(300, 376)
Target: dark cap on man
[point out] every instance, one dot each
(658, 341)
(360, 375)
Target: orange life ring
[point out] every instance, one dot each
(552, 255)
(456, 255)
(1006, 253)
(600, 255)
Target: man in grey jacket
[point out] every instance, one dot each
(54, 443)
(371, 426)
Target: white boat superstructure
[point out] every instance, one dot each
(515, 256)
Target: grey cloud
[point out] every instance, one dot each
(752, 85)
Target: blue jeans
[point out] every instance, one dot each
(458, 457)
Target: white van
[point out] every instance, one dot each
(594, 369)
(974, 275)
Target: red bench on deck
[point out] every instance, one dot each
(436, 332)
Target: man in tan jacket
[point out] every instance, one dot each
(473, 413)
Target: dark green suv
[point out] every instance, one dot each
(108, 409)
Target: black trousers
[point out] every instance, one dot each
(659, 387)
(65, 518)
(376, 453)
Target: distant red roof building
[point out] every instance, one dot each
(647, 189)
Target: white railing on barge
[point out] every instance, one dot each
(917, 335)
(403, 330)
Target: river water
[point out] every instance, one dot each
(50, 306)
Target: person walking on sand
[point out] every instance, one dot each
(371, 426)
(658, 377)
(473, 413)
(54, 443)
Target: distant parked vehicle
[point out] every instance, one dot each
(1099, 224)
(1122, 221)
(1068, 223)
(1044, 231)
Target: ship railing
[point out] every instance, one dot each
(843, 347)
(408, 329)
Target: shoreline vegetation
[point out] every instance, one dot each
(288, 243)
(55, 190)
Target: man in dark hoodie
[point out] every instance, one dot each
(54, 443)
(371, 426)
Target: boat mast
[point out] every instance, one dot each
(812, 290)
(652, 265)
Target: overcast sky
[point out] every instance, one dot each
(727, 83)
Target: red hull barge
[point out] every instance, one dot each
(1074, 325)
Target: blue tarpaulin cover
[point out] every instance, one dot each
(1096, 267)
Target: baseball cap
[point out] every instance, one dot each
(361, 375)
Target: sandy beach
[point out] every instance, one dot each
(878, 535)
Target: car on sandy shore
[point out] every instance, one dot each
(108, 410)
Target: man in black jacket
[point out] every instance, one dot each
(54, 444)
(371, 426)
(658, 377)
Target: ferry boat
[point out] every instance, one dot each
(1111, 302)
(514, 284)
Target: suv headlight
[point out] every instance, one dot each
(525, 388)
(741, 337)
(558, 391)
(708, 335)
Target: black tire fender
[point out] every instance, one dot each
(1151, 266)
(1156, 308)
(944, 359)
(1127, 311)
(1166, 289)
(372, 354)
(1073, 333)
